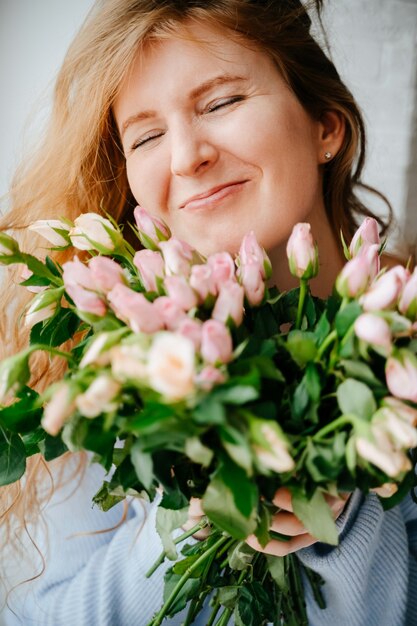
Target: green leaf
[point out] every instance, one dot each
(316, 516)
(230, 501)
(209, 411)
(187, 592)
(302, 347)
(354, 397)
(167, 521)
(52, 447)
(277, 569)
(12, 458)
(360, 371)
(346, 317)
(227, 596)
(240, 556)
(264, 524)
(142, 462)
(198, 452)
(238, 394)
(237, 446)
(56, 330)
(322, 329)
(24, 415)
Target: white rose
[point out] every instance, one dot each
(98, 397)
(277, 457)
(127, 363)
(48, 230)
(58, 410)
(94, 351)
(171, 365)
(90, 229)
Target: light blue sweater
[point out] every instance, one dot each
(99, 579)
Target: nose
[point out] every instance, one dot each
(192, 150)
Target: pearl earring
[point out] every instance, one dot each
(328, 155)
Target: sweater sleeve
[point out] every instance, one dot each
(371, 576)
(92, 576)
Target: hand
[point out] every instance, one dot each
(286, 523)
(195, 514)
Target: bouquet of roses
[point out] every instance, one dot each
(193, 381)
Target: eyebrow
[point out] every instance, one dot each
(197, 92)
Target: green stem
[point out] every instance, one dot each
(180, 584)
(213, 614)
(340, 421)
(301, 300)
(182, 537)
(331, 337)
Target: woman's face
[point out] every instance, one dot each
(217, 144)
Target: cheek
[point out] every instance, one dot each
(147, 181)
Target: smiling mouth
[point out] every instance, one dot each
(213, 196)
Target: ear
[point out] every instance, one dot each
(331, 135)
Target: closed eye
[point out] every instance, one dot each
(224, 102)
(145, 140)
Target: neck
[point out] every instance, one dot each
(331, 259)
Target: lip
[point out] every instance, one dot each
(212, 196)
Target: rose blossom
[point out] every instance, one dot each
(180, 292)
(357, 273)
(404, 411)
(201, 280)
(92, 231)
(134, 309)
(150, 264)
(171, 365)
(191, 329)
(385, 291)
(250, 251)
(25, 274)
(49, 230)
(105, 273)
(229, 303)
(373, 329)
(39, 312)
(169, 312)
(251, 279)
(274, 457)
(401, 375)
(408, 299)
(302, 252)
(128, 363)
(209, 377)
(59, 408)
(366, 235)
(81, 287)
(178, 256)
(99, 396)
(380, 452)
(95, 352)
(222, 269)
(151, 229)
(216, 342)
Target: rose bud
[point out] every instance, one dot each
(151, 265)
(178, 256)
(151, 230)
(106, 273)
(357, 273)
(201, 280)
(408, 299)
(373, 329)
(171, 365)
(229, 304)
(128, 362)
(380, 452)
(80, 286)
(250, 251)
(25, 274)
(402, 434)
(251, 279)
(191, 329)
(99, 397)
(58, 409)
(54, 231)
(366, 235)
(43, 306)
(180, 292)
(401, 375)
(134, 309)
(216, 342)
(94, 232)
(222, 269)
(273, 455)
(404, 411)
(209, 377)
(170, 313)
(385, 291)
(302, 252)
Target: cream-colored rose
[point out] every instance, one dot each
(58, 410)
(277, 457)
(91, 228)
(128, 363)
(99, 396)
(171, 365)
(54, 231)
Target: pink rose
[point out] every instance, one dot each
(357, 273)
(151, 266)
(178, 256)
(151, 229)
(105, 273)
(191, 329)
(134, 309)
(59, 408)
(252, 282)
(201, 280)
(216, 342)
(373, 329)
(251, 251)
(302, 252)
(222, 269)
(180, 292)
(169, 311)
(80, 286)
(401, 375)
(229, 303)
(385, 291)
(366, 235)
(408, 300)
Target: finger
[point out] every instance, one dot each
(282, 499)
(282, 548)
(287, 524)
(195, 509)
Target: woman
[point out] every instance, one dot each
(220, 117)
